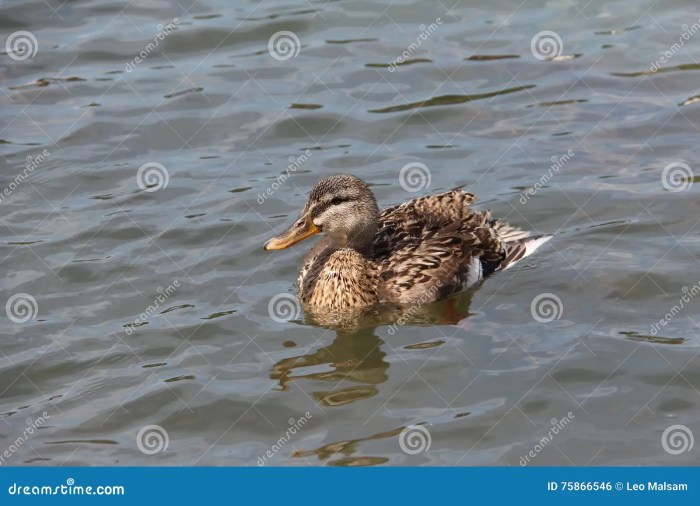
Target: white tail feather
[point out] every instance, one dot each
(531, 245)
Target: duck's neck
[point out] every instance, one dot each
(360, 238)
(363, 243)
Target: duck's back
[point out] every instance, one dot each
(431, 247)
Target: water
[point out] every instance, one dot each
(211, 105)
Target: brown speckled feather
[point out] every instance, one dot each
(425, 247)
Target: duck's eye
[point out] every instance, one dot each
(338, 200)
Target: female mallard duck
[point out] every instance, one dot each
(419, 251)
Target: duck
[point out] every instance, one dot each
(414, 253)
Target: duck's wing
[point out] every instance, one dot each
(414, 219)
(434, 246)
(451, 206)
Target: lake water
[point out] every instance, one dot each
(144, 324)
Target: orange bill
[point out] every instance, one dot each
(300, 230)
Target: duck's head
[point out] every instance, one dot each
(341, 207)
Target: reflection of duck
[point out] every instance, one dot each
(417, 252)
(355, 357)
(346, 449)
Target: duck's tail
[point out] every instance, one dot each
(519, 243)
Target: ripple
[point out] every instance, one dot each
(424, 346)
(560, 102)
(175, 308)
(662, 70)
(616, 31)
(310, 107)
(218, 314)
(636, 336)
(692, 100)
(350, 41)
(492, 57)
(43, 82)
(451, 100)
(410, 61)
(197, 89)
(84, 441)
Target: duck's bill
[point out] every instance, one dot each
(296, 233)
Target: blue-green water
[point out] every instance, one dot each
(154, 307)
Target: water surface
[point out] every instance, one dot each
(225, 119)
